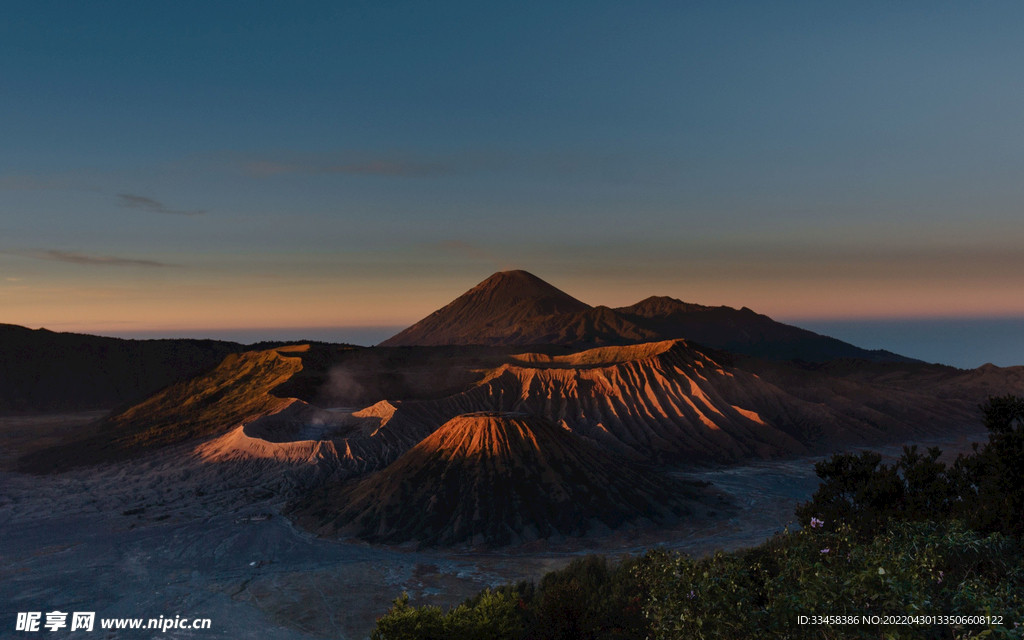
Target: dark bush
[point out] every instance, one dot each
(589, 599)
(858, 490)
(984, 489)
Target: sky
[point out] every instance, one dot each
(171, 168)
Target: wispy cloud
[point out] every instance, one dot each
(73, 257)
(26, 183)
(588, 166)
(132, 201)
(393, 167)
(77, 180)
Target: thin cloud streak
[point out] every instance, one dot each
(132, 201)
(73, 257)
(612, 168)
(28, 183)
(378, 167)
(78, 180)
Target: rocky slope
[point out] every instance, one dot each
(495, 478)
(671, 400)
(662, 401)
(237, 391)
(655, 402)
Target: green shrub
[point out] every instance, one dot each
(493, 615)
(403, 622)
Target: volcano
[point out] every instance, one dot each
(495, 478)
(519, 309)
(493, 312)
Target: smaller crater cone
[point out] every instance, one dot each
(494, 479)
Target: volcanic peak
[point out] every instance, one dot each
(511, 287)
(490, 312)
(487, 433)
(494, 478)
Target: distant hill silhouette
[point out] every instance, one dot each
(42, 370)
(743, 331)
(494, 478)
(518, 308)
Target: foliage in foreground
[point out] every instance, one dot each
(913, 569)
(984, 489)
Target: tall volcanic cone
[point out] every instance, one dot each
(494, 478)
(493, 312)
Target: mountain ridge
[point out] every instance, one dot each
(43, 370)
(518, 308)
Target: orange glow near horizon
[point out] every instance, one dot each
(402, 301)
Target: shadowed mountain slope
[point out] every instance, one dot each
(45, 371)
(596, 326)
(517, 308)
(743, 331)
(494, 478)
(490, 312)
(237, 391)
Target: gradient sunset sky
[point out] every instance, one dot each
(204, 166)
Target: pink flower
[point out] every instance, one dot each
(825, 550)
(815, 523)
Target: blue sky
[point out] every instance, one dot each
(190, 166)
